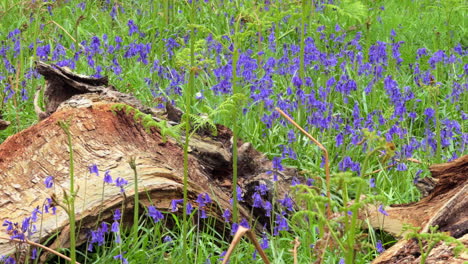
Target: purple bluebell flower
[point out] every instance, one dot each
(49, 182)
(382, 210)
(287, 202)
(281, 223)
(34, 253)
(401, 167)
(132, 27)
(43, 52)
(234, 228)
(167, 239)
(7, 260)
(8, 224)
(379, 247)
(227, 215)
(34, 214)
(372, 182)
(115, 227)
(295, 181)
(121, 258)
(244, 223)
(174, 204)
(117, 215)
(264, 241)
(257, 200)
(107, 177)
(155, 214)
(104, 227)
(121, 182)
(113, 12)
(94, 169)
(189, 209)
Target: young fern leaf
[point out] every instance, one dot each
(148, 122)
(350, 8)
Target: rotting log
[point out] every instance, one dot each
(446, 206)
(109, 139)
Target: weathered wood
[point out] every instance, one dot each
(445, 206)
(4, 124)
(109, 139)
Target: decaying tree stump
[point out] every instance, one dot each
(109, 139)
(446, 206)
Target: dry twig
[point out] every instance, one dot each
(325, 152)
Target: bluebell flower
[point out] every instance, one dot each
(113, 12)
(372, 182)
(7, 260)
(117, 215)
(115, 227)
(244, 223)
(107, 177)
(189, 209)
(234, 228)
(8, 224)
(34, 253)
(121, 258)
(401, 167)
(132, 27)
(295, 181)
(94, 169)
(379, 247)
(174, 204)
(167, 239)
(287, 202)
(227, 215)
(339, 139)
(155, 214)
(382, 210)
(104, 227)
(264, 241)
(49, 182)
(281, 223)
(257, 200)
(34, 214)
(43, 52)
(121, 182)
(268, 207)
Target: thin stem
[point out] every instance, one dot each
(29, 242)
(136, 215)
(325, 152)
(235, 129)
(71, 200)
(188, 103)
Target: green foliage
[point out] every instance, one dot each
(148, 122)
(182, 57)
(207, 115)
(427, 241)
(355, 10)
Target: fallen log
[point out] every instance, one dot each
(446, 206)
(109, 138)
